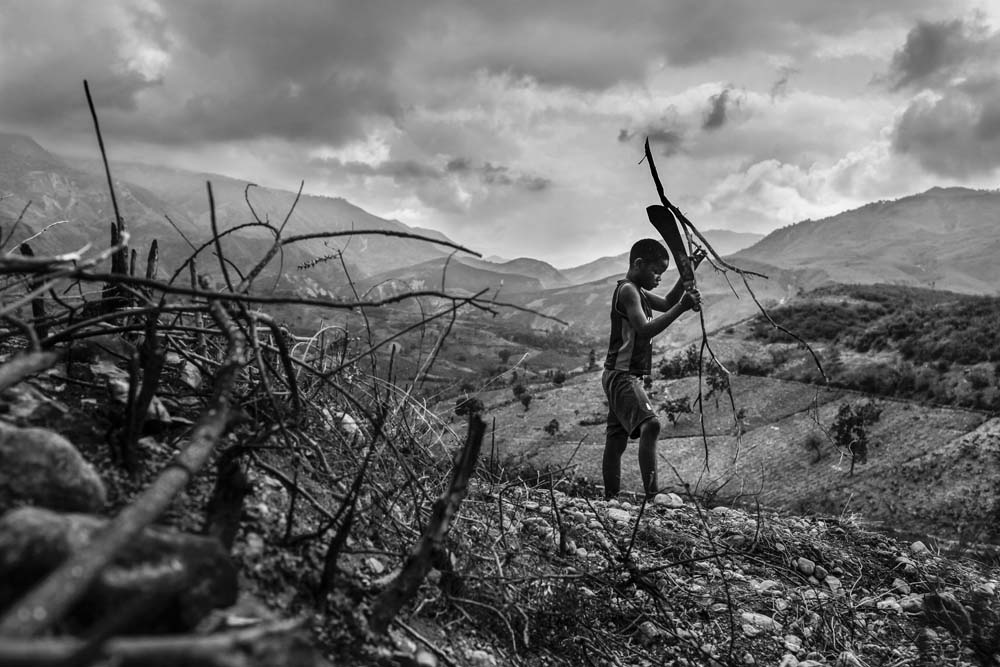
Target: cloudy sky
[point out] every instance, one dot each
(516, 127)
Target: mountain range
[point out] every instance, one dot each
(946, 238)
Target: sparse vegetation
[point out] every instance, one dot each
(850, 429)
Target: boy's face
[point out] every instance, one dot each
(648, 272)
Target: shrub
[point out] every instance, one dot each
(676, 407)
(526, 400)
(558, 377)
(552, 427)
(519, 390)
(504, 355)
(681, 364)
(978, 378)
(813, 443)
(467, 405)
(747, 365)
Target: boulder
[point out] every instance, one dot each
(40, 467)
(193, 572)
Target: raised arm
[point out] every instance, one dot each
(628, 300)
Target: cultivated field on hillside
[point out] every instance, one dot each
(772, 461)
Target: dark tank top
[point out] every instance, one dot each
(628, 351)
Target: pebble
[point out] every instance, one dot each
(889, 604)
(820, 572)
(900, 586)
(480, 658)
(806, 566)
(375, 565)
(833, 582)
(759, 622)
(649, 631)
(618, 515)
(912, 604)
(793, 643)
(669, 500)
(424, 658)
(918, 547)
(767, 586)
(748, 659)
(789, 660)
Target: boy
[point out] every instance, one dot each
(630, 357)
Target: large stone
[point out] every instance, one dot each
(39, 467)
(194, 572)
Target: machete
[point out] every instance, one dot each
(666, 223)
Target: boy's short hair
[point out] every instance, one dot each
(648, 250)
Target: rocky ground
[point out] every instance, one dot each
(530, 573)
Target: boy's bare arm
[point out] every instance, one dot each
(665, 302)
(668, 300)
(628, 299)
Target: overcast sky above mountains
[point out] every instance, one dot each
(516, 127)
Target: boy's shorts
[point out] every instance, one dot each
(628, 405)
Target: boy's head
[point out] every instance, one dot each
(647, 260)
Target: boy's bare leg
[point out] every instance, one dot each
(648, 434)
(614, 447)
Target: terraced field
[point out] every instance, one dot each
(931, 471)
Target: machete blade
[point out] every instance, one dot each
(666, 225)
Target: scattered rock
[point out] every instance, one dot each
(619, 515)
(40, 467)
(889, 604)
(820, 572)
(669, 500)
(34, 541)
(789, 660)
(648, 632)
(918, 547)
(912, 604)
(480, 658)
(424, 658)
(767, 587)
(806, 566)
(900, 586)
(375, 565)
(754, 623)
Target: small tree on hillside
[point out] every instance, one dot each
(526, 400)
(558, 377)
(552, 427)
(850, 429)
(518, 390)
(504, 355)
(592, 360)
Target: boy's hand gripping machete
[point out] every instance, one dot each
(666, 223)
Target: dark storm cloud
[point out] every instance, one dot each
(931, 51)
(715, 117)
(41, 79)
(955, 131)
(325, 70)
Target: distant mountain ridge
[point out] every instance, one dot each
(945, 238)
